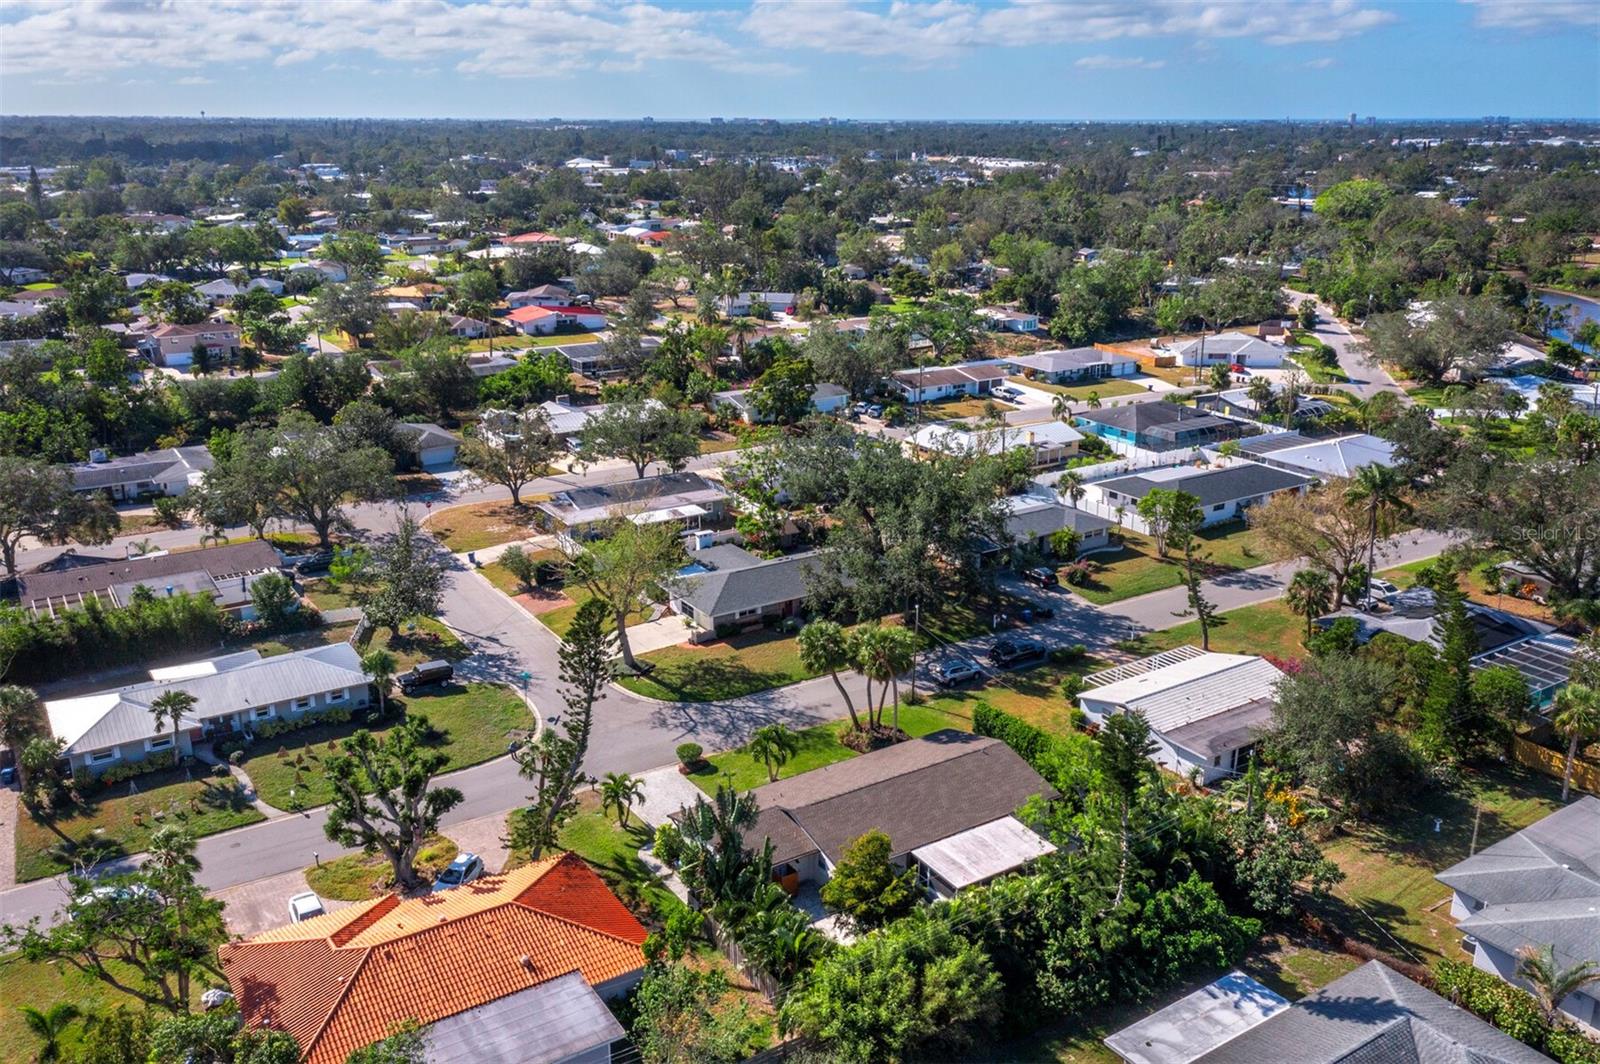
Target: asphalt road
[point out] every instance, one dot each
(1366, 379)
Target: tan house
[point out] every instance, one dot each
(173, 346)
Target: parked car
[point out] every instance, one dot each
(311, 563)
(1017, 653)
(874, 410)
(955, 672)
(425, 674)
(1041, 576)
(1382, 590)
(119, 892)
(464, 869)
(1008, 393)
(1036, 612)
(858, 408)
(303, 907)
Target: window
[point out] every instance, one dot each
(303, 703)
(261, 713)
(749, 612)
(1218, 508)
(1216, 762)
(162, 743)
(338, 696)
(100, 757)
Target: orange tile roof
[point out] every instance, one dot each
(344, 980)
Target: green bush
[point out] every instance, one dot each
(668, 844)
(689, 753)
(96, 636)
(1513, 1011)
(127, 770)
(283, 725)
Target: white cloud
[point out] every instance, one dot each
(503, 38)
(925, 32)
(1532, 16)
(1322, 63)
(195, 79)
(1118, 62)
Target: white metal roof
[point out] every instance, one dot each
(981, 853)
(1191, 690)
(1194, 1025)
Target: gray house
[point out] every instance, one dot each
(1064, 366)
(726, 588)
(225, 573)
(436, 447)
(170, 471)
(1539, 887)
(232, 693)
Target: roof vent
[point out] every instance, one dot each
(526, 962)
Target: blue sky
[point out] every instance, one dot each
(1098, 59)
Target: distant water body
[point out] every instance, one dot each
(1582, 310)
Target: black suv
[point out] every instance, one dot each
(1017, 653)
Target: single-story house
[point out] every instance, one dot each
(1205, 710)
(1157, 426)
(725, 588)
(271, 284)
(744, 303)
(544, 295)
(1414, 614)
(687, 499)
(1194, 1025)
(1224, 494)
(225, 573)
(1236, 402)
(825, 399)
(1230, 348)
(1338, 456)
(1031, 521)
(169, 471)
(418, 296)
(173, 346)
(139, 280)
(1372, 1014)
(514, 968)
(1544, 661)
(466, 328)
(942, 382)
(1009, 319)
(436, 447)
(546, 320)
(217, 292)
(231, 693)
(1065, 366)
(1048, 443)
(945, 800)
(23, 274)
(1539, 887)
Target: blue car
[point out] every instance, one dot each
(874, 410)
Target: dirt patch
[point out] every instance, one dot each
(542, 601)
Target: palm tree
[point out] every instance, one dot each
(50, 1024)
(1061, 408)
(380, 665)
(621, 792)
(1093, 399)
(1577, 717)
(1310, 595)
(21, 718)
(1382, 489)
(1550, 983)
(885, 653)
(1071, 482)
(824, 647)
(1259, 392)
(774, 744)
(171, 705)
(740, 330)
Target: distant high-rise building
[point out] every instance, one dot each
(1352, 120)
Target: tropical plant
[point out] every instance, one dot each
(774, 745)
(49, 1025)
(1552, 984)
(1310, 595)
(171, 706)
(620, 791)
(21, 718)
(883, 654)
(1577, 719)
(380, 665)
(1382, 489)
(825, 647)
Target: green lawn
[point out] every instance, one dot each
(424, 639)
(284, 642)
(1033, 695)
(114, 823)
(1389, 892)
(42, 985)
(1265, 628)
(326, 595)
(359, 877)
(819, 746)
(1136, 569)
(473, 723)
(614, 853)
(560, 620)
(1106, 388)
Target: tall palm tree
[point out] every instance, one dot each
(1577, 718)
(380, 665)
(1383, 490)
(21, 718)
(740, 329)
(825, 647)
(1071, 482)
(774, 745)
(1093, 400)
(171, 706)
(1310, 594)
(1061, 408)
(1550, 983)
(50, 1024)
(886, 653)
(621, 792)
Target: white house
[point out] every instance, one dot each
(1062, 366)
(1230, 348)
(1204, 710)
(1048, 443)
(943, 382)
(231, 694)
(271, 284)
(217, 292)
(1223, 494)
(545, 295)
(170, 471)
(1009, 319)
(825, 399)
(739, 306)
(436, 447)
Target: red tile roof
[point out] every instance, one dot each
(342, 981)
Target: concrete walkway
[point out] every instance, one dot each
(666, 790)
(10, 807)
(662, 632)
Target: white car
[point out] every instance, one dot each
(1382, 590)
(303, 907)
(464, 869)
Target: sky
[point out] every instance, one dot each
(802, 59)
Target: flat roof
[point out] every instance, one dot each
(1194, 1025)
(981, 853)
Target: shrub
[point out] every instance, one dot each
(1078, 573)
(268, 729)
(1513, 1011)
(689, 753)
(96, 636)
(668, 844)
(170, 511)
(517, 562)
(1071, 688)
(127, 770)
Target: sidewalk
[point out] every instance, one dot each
(666, 790)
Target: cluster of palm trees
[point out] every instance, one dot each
(1311, 592)
(881, 653)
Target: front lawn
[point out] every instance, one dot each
(284, 642)
(1136, 569)
(614, 853)
(43, 984)
(1389, 896)
(819, 746)
(946, 409)
(483, 524)
(326, 595)
(358, 876)
(116, 823)
(473, 725)
(1033, 695)
(718, 442)
(559, 620)
(1265, 628)
(1105, 388)
(422, 639)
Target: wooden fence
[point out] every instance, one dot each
(1585, 774)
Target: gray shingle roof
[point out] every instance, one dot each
(426, 435)
(1141, 417)
(1242, 481)
(147, 465)
(731, 589)
(1373, 1016)
(1059, 360)
(66, 585)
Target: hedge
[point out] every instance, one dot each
(95, 636)
(85, 781)
(1514, 1011)
(1067, 761)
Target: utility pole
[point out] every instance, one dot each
(916, 645)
